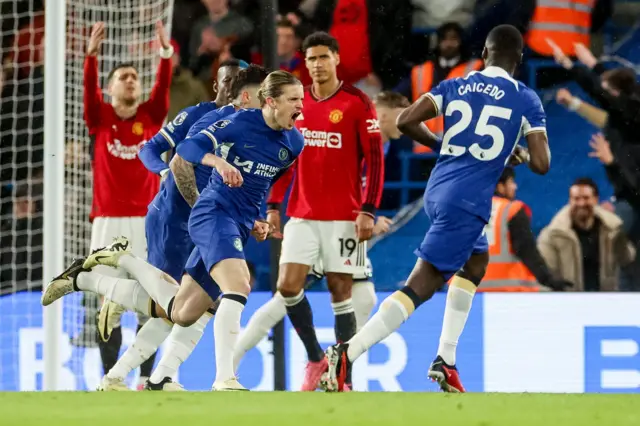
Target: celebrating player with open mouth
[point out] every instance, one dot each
(331, 217)
(252, 150)
(167, 228)
(485, 115)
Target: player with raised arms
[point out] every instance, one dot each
(169, 244)
(262, 144)
(485, 115)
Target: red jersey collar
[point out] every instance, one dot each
(313, 95)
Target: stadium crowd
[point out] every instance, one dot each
(394, 52)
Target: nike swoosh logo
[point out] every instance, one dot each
(249, 146)
(104, 330)
(99, 258)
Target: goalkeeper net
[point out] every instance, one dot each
(130, 36)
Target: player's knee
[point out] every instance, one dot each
(340, 286)
(184, 318)
(473, 271)
(289, 287)
(476, 267)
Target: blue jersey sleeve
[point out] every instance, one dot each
(151, 154)
(534, 118)
(203, 139)
(171, 135)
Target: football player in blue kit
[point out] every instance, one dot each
(169, 242)
(166, 226)
(485, 114)
(252, 148)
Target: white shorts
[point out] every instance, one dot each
(105, 229)
(333, 243)
(317, 270)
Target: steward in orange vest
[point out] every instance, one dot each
(564, 21)
(450, 63)
(515, 264)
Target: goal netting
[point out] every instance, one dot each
(130, 30)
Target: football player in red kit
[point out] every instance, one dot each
(331, 216)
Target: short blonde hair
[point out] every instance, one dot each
(273, 85)
(391, 100)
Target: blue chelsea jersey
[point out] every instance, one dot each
(485, 114)
(260, 153)
(190, 120)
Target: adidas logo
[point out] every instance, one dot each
(348, 262)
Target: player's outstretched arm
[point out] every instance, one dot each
(411, 121)
(185, 179)
(159, 99)
(539, 154)
(92, 93)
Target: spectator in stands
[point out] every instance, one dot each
(220, 35)
(370, 58)
(616, 91)
(585, 244)
(289, 40)
(515, 264)
(289, 55)
(186, 90)
(451, 61)
(21, 124)
(388, 106)
(566, 24)
(488, 14)
(435, 13)
(28, 40)
(122, 186)
(618, 96)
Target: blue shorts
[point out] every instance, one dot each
(455, 234)
(168, 245)
(217, 236)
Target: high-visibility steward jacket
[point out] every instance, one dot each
(422, 82)
(564, 21)
(505, 271)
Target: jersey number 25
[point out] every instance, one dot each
(483, 128)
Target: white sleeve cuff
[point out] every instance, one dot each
(166, 53)
(575, 103)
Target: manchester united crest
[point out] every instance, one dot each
(335, 116)
(137, 128)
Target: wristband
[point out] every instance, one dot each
(574, 104)
(166, 53)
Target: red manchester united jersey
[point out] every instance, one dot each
(122, 186)
(339, 132)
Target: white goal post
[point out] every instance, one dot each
(67, 172)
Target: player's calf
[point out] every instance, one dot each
(233, 277)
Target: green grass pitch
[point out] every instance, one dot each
(306, 409)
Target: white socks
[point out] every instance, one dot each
(459, 299)
(364, 299)
(182, 342)
(226, 328)
(390, 316)
(147, 341)
(263, 320)
(151, 278)
(128, 293)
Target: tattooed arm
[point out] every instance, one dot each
(185, 179)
